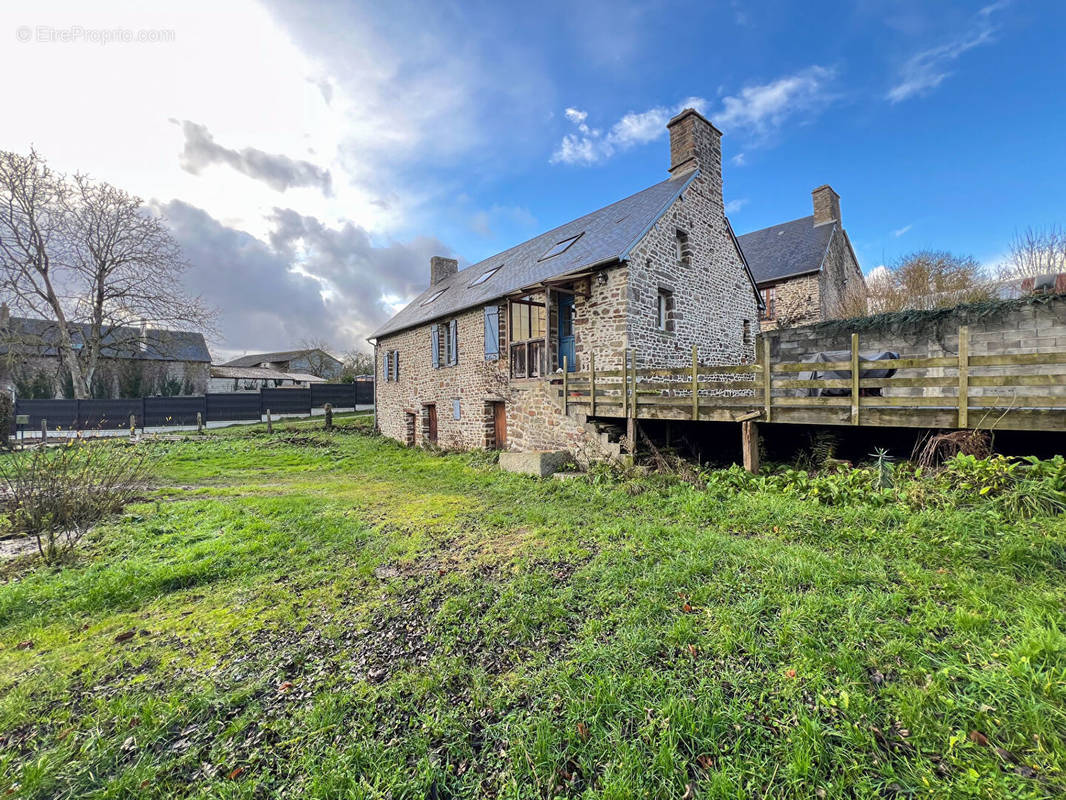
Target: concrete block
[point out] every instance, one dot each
(540, 463)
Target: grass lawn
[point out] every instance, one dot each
(333, 615)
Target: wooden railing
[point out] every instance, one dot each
(1008, 390)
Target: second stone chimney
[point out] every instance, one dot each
(826, 205)
(694, 142)
(441, 268)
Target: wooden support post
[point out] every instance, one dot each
(199, 422)
(631, 422)
(328, 410)
(270, 423)
(592, 384)
(695, 383)
(749, 437)
(133, 424)
(566, 386)
(964, 376)
(854, 379)
(625, 383)
(44, 431)
(767, 375)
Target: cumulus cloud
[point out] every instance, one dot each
(592, 146)
(924, 71)
(757, 111)
(277, 171)
(308, 280)
(733, 206)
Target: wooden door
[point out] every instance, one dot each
(431, 419)
(499, 423)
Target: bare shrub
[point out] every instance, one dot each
(934, 450)
(57, 494)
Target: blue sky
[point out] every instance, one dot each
(311, 156)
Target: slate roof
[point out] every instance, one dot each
(263, 373)
(786, 250)
(38, 337)
(607, 235)
(255, 359)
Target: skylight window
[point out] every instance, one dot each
(561, 247)
(433, 297)
(484, 276)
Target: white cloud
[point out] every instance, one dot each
(757, 111)
(739, 160)
(733, 206)
(761, 109)
(900, 231)
(878, 273)
(924, 71)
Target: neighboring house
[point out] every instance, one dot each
(252, 379)
(134, 362)
(660, 272)
(310, 360)
(806, 269)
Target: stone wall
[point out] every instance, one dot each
(714, 301)
(840, 276)
(1021, 326)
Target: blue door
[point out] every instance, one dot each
(566, 332)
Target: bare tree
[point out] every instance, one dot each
(1036, 252)
(928, 279)
(90, 257)
(319, 360)
(357, 362)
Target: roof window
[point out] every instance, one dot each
(484, 276)
(432, 297)
(560, 247)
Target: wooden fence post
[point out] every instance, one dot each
(566, 386)
(328, 409)
(695, 383)
(854, 379)
(592, 384)
(133, 424)
(964, 376)
(44, 431)
(199, 422)
(749, 436)
(767, 383)
(270, 423)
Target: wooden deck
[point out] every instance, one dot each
(1017, 391)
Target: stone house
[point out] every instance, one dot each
(311, 360)
(134, 361)
(470, 361)
(806, 269)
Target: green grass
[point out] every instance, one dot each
(333, 615)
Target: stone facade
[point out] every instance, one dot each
(689, 255)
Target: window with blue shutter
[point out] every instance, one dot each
(492, 333)
(388, 365)
(453, 343)
(395, 365)
(434, 345)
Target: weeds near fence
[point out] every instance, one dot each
(57, 494)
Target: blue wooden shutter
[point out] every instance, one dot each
(396, 365)
(434, 344)
(492, 333)
(388, 365)
(453, 338)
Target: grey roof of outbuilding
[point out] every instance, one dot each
(255, 359)
(786, 250)
(39, 337)
(607, 235)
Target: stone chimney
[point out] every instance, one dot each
(826, 205)
(441, 268)
(694, 142)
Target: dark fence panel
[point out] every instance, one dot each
(340, 395)
(233, 406)
(173, 410)
(59, 413)
(364, 393)
(286, 401)
(107, 414)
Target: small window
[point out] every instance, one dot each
(664, 310)
(484, 276)
(769, 299)
(747, 333)
(451, 344)
(681, 247)
(456, 411)
(433, 297)
(561, 247)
